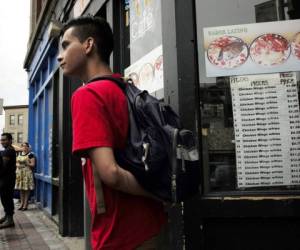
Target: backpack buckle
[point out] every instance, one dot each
(146, 147)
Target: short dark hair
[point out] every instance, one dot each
(8, 136)
(26, 144)
(96, 27)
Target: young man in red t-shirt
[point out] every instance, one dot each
(124, 215)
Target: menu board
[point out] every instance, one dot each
(267, 129)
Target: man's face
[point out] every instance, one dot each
(72, 56)
(5, 142)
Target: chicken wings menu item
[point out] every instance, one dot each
(269, 50)
(227, 52)
(296, 46)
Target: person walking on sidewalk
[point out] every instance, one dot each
(24, 174)
(124, 215)
(7, 180)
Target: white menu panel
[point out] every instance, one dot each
(267, 129)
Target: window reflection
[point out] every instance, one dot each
(216, 117)
(220, 167)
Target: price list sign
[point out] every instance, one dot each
(267, 129)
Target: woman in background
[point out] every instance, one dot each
(24, 174)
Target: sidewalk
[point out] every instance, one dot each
(34, 230)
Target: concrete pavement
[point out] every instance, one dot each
(34, 230)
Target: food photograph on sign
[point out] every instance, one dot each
(296, 46)
(269, 50)
(227, 52)
(147, 73)
(252, 48)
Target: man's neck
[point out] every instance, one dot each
(96, 70)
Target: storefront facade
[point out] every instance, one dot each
(161, 46)
(59, 189)
(248, 200)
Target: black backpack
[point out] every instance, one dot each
(161, 155)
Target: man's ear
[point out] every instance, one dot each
(89, 45)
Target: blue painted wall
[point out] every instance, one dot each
(41, 72)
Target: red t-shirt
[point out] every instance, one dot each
(100, 119)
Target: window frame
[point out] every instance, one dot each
(20, 135)
(20, 118)
(12, 120)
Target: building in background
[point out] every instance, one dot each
(16, 123)
(159, 43)
(1, 116)
(1, 106)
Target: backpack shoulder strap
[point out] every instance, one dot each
(117, 81)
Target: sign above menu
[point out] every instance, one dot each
(252, 48)
(267, 129)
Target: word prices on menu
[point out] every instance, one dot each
(267, 129)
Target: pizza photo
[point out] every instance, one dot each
(227, 52)
(146, 74)
(135, 78)
(270, 50)
(296, 46)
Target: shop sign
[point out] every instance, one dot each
(147, 73)
(145, 27)
(258, 48)
(79, 7)
(146, 53)
(267, 129)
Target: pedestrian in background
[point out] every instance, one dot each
(7, 180)
(124, 215)
(24, 175)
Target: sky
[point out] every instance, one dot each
(14, 33)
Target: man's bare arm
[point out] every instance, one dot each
(112, 175)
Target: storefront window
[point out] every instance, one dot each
(144, 43)
(249, 95)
